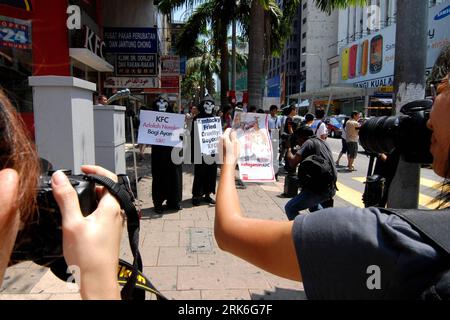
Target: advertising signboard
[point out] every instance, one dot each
(131, 40)
(136, 65)
(15, 33)
(170, 65)
(132, 82)
(370, 61)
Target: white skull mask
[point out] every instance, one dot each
(209, 107)
(162, 105)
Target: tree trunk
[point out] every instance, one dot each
(233, 60)
(224, 85)
(256, 54)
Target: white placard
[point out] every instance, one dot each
(161, 128)
(209, 132)
(256, 154)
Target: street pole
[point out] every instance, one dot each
(409, 84)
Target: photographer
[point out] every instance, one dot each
(92, 243)
(317, 191)
(333, 251)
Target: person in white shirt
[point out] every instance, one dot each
(274, 119)
(321, 130)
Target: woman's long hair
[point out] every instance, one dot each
(18, 152)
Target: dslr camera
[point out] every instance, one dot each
(41, 239)
(407, 133)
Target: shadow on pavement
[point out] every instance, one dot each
(280, 294)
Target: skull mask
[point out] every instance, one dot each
(162, 105)
(209, 107)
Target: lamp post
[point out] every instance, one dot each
(321, 65)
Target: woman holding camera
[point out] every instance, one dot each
(91, 243)
(340, 253)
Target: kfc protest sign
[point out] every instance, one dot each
(161, 128)
(255, 159)
(209, 133)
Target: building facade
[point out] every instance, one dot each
(366, 41)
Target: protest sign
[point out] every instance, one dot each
(209, 132)
(255, 159)
(161, 128)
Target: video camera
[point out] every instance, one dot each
(41, 239)
(407, 133)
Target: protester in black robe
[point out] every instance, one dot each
(205, 175)
(167, 184)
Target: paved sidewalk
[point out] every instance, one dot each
(179, 252)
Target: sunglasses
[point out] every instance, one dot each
(437, 86)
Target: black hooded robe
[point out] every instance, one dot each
(167, 184)
(205, 175)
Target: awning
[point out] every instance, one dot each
(304, 104)
(383, 101)
(90, 59)
(337, 92)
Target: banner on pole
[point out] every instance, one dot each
(209, 133)
(256, 154)
(161, 128)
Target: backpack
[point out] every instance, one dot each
(434, 225)
(316, 173)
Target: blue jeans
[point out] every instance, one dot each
(306, 200)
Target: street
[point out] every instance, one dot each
(180, 254)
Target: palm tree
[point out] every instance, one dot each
(216, 15)
(263, 41)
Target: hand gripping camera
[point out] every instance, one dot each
(41, 239)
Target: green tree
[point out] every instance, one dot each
(215, 15)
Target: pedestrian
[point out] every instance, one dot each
(91, 243)
(342, 253)
(316, 192)
(309, 119)
(167, 177)
(205, 175)
(252, 109)
(227, 120)
(321, 129)
(102, 99)
(344, 149)
(351, 131)
(288, 129)
(274, 122)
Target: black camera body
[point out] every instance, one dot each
(407, 133)
(41, 239)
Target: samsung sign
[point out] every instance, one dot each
(370, 61)
(442, 14)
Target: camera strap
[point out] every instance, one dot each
(130, 276)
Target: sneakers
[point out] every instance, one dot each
(196, 201)
(209, 200)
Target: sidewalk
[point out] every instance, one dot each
(179, 252)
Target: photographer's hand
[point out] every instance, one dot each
(91, 243)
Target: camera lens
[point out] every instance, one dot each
(379, 135)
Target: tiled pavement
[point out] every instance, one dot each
(179, 252)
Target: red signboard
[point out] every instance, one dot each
(170, 81)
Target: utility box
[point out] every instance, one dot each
(64, 122)
(109, 126)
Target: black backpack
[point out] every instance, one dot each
(434, 225)
(316, 173)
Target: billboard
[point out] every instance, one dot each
(370, 61)
(274, 87)
(131, 40)
(15, 33)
